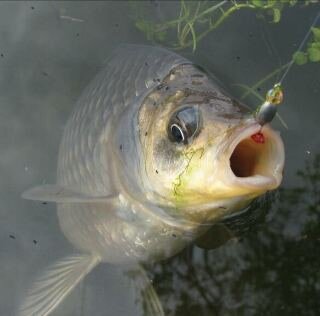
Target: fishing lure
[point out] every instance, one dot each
(267, 111)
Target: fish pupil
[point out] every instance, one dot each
(184, 125)
(177, 133)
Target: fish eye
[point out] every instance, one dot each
(184, 125)
(177, 133)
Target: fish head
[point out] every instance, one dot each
(200, 152)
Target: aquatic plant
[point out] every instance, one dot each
(196, 19)
(311, 54)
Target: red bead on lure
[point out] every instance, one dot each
(258, 138)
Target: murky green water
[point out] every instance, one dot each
(265, 262)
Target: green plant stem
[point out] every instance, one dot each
(194, 37)
(249, 90)
(212, 9)
(218, 22)
(189, 28)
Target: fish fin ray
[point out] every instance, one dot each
(60, 194)
(52, 287)
(151, 302)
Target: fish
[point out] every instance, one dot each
(154, 153)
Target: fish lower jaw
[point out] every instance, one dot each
(256, 159)
(257, 182)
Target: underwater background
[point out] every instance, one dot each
(265, 262)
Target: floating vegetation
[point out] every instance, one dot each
(194, 20)
(312, 53)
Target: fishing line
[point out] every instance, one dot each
(267, 37)
(301, 46)
(267, 111)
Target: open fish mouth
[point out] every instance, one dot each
(256, 158)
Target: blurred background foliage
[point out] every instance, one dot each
(265, 267)
(192, 21)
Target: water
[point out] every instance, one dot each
(272, 267)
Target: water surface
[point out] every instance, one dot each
(271, 268)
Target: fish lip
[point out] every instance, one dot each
(273, 171)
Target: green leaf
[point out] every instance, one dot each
(316, 33)
(274, 2)
(161, 36)
(276, 15)
(315, 45)
(314, 54)
(300, 58)
(257, 3)
(144, 26)
(292, 2)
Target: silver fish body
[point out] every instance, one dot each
(154, 153)
(101, 155)
(88, 161)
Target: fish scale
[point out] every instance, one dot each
(104, 86)
(99, 105)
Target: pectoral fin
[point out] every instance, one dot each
(143, 284)
(55, 284)
(60, 194)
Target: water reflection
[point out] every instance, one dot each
(271, 268)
